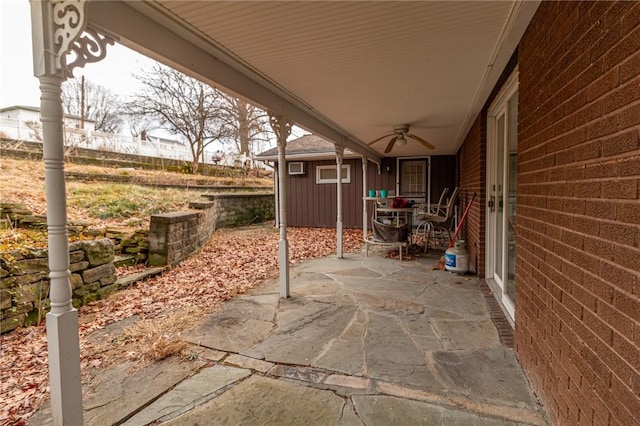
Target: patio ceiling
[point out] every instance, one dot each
(345, 70)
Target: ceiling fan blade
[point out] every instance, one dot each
(391, 143)
(380, 138)
(422, 141)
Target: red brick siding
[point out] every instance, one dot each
(578, 266)
(472, 178)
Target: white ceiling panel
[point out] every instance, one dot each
(369, 65)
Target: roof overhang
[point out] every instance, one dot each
(347, 71)
(144, 28)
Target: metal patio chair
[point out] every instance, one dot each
(432, 226)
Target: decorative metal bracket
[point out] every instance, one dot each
(71, 35)
(281, 126)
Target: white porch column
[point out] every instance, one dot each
(62, 321)
(282, 129)
(339, 159)
(365, 215)
(58, 28)
(276, 185)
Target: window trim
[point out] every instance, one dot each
(427, 172)
(319, 180)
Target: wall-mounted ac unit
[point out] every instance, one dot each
(296, 168)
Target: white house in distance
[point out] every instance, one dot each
(13, 121)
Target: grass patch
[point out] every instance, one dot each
(124, 201)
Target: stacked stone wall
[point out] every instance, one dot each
(24, 282)
(129, 242)
(18, 215)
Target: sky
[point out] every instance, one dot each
(18, 86)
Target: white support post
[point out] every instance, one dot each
(276, 185)
(59, 28)
(62, 321)
(339, 159)
(365, 215)
(282, 129)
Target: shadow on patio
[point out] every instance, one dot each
(362, 341)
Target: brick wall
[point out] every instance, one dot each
(472, 178)
(578, 265)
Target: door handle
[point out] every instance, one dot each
(492, 203)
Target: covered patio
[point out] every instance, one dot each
(362, 341)
(535, 103)
(284, 75)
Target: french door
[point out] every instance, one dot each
(502, 157)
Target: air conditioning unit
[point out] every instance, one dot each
(296, 168)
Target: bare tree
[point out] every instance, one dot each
(183, 105)
(137, 122)
(36, 129)
(245, 123)
(92, 102)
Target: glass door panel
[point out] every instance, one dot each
(502, 193)
(511, 185)
(497, 187)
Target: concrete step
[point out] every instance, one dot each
(139, 276)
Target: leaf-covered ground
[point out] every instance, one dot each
(233, 262)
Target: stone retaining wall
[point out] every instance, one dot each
(130, 242)
(17, 215)
(24, 282)
(174, 236)
(241, 209)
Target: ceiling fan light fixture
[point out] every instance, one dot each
(401, 141)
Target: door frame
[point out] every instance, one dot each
(425, 158)
(498, 106)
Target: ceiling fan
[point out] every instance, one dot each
(400, 135)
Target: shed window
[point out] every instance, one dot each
(328, 174)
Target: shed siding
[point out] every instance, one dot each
(578, 261)
(443, 175)
(314, 205)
